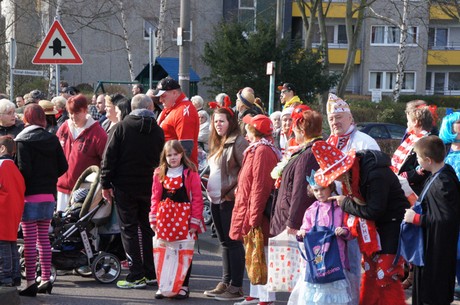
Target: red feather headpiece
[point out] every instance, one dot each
(227, 105)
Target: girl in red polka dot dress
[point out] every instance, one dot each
(177, 202)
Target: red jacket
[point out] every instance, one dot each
(193, 187)
(86, 150)
(253, 190)
(12, 188)
(181, 123)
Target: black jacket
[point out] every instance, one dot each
(41, 160)
(12, 130)
(385, 200)
(132, 153)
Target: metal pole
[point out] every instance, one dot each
(271, 96)
(279, 21)
(58, 79)
(150, 58)
(184, 47)
(12, 66)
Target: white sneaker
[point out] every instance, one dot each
(247, 301)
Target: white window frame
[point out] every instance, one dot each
(386, 87)
(335, 43)
(386, 36)
(241, 7)
(436, 28)
(145, 29)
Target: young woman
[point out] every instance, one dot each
(226, 147)
(176, 190)
(41, 161)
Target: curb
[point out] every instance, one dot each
(10, 296)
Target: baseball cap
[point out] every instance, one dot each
(167, 84)
(260, 122)
(287, 86)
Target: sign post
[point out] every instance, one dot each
(271, 97)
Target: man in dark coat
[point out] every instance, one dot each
(131, 155)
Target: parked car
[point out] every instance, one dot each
(382, 130)
(387, 135)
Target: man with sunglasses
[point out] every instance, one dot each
(288, 96)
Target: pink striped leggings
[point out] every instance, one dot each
(36, 236)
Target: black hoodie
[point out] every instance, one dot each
(132, 153)
(40, 159)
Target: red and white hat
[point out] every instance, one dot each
(332, 162)
(260, 122)
(335, 104)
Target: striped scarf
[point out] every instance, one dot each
(404, 150)
(340, 141)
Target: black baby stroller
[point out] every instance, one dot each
(77, 238)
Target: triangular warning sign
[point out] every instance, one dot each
(57, 48)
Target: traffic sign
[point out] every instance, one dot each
(28, 72)
(57, 48)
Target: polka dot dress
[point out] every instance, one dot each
(173, 211)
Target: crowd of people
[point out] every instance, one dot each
(267, 174)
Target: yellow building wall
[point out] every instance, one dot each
(437, 13)
(443, 58)
(336, 10)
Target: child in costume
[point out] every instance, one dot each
(12, 188)
(177, 202)
(440, 219)
(320, 212)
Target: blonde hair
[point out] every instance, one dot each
(176, 146)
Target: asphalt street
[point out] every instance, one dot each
(77, 290)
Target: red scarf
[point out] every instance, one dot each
(340, 141)
(404, 150)
(364, 229)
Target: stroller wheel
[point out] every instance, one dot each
(106, 268)
(207, 217)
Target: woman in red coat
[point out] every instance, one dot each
(254, 187)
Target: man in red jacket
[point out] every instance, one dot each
(12, 188)
(179, 118)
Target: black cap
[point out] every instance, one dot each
(37, 95)
(287, 86)
(166, 84)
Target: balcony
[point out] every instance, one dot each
(443, 57)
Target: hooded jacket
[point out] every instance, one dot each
(40, 159)
(132, 153)
(385, 200)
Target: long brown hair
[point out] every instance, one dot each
(175, 145)
(216, 142)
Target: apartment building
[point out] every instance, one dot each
(432, 53)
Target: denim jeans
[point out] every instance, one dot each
(10, 273)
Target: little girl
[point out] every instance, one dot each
(320, 211)
(177, 202)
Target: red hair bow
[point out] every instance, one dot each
(227, 105)
(297, 114)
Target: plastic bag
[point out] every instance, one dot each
(256, 265)
(172, 260)
(284, 262)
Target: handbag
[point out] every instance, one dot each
(268, 211)
(323, 254)
(172, 261)
(255, 256)
(285, 264)
(411, 244)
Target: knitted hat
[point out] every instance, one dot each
(246, 96)
(48, 107)
(332, 162)
(260, 122)
(335, 104)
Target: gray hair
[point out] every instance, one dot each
(197, 99)
(6, 105)
(205, 114)
(141, 101)
(220, 98)
(59, 102)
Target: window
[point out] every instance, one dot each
(443, 83)
(437, 37)
(454, 81)
(336, 34)
(386, 81)
(390, 35)
(149, 25)
(247, 13)
(379, 132)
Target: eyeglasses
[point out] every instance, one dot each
(284, 91)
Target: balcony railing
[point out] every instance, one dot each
(453, 45)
